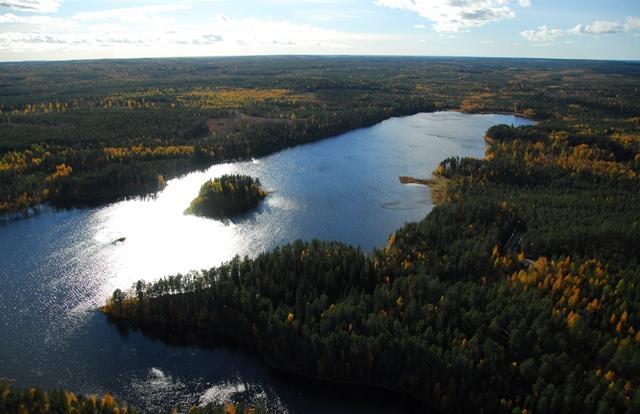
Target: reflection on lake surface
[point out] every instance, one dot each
(59, 266)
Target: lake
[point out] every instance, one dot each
(57, 267)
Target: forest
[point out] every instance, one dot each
(85, 133)
(517, 294)
(226, 196)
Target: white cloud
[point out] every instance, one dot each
(149, 15)
(124, 13)
(30, 38)
(598, 27)
(281, 32)
(419, 26)
(601, 27)
(38, 6)
(34, 20)
(457, 15)
(632, 24)
(113, 33)
(542, 34)
(328, 14)
(156, 30)
(524, 3)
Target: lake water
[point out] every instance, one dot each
(57, 267)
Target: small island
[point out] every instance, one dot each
(227, 196)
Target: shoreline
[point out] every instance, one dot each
(437, 184)
(102, 200)
(224, 338)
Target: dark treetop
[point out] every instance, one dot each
(227, 196)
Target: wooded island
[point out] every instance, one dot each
(227, 196)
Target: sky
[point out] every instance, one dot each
(89, 29)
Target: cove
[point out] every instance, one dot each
(57, 267)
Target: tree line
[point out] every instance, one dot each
(243, 107)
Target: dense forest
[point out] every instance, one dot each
(518, 293)
(76, 133)
(35, 400)
(226, 196)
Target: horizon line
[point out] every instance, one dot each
(291, 55)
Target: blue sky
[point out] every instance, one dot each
(76, 29)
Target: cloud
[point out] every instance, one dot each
(38, 6)
(419, 26)
(632, 24)
(31, 38)
(112, 34)
(542, 34)
(37, 20)
(211, 38)
(150, 15)
(601, 27)
(125, 12)
(327, 14)
(598, 27)
(457, 15)
(281, 32)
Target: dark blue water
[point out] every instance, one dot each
(56, 268)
